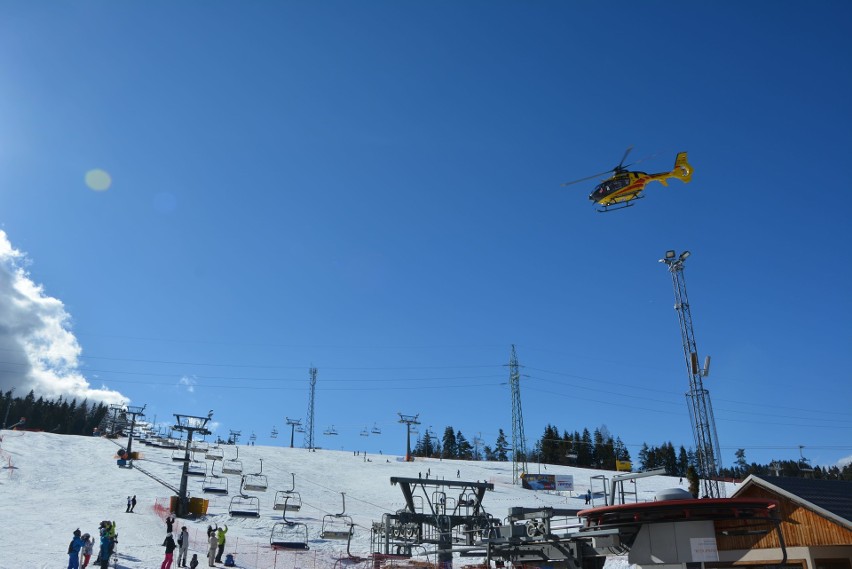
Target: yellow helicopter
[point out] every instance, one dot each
(625, 186)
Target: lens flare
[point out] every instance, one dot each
(98, 180)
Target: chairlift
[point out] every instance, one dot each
(196, 469)
(199, 446)
(253, 438)
(215, 453)
(300, 429)
(330, 431)
(256, 482)
(365, 432)
(467, 500)
(179, 456)
(243, 506)
(233, 465)
(274, 434)
(337, 526)
(376, 429)
(288, 500)
(289, 535)
(214, 484)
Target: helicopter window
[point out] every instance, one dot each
(618, 183)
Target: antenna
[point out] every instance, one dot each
(309, 430)
(700, 409)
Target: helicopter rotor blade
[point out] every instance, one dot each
(623, 158)
(586, 178)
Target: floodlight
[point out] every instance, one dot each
(684, 255)
(670, 254)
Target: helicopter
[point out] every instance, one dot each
(625, 186)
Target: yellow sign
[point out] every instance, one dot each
(623, 465)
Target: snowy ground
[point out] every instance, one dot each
(52, 484)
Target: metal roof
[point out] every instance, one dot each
(830, 498)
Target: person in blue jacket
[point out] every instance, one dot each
(74, 550)
(106, 549)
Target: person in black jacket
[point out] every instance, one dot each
(170, 546)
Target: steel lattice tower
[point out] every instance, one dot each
(519, 441)
(309, 428)
(707, 450)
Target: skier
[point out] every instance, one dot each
(183, 543)
(106, 549)
(170, 520)
(88, 546)
(220, 537)
(132, 503)
(74, 550)
(170, 545)
(194, 562)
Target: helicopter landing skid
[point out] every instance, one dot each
(626, 204)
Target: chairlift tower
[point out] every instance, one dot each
(707, 450)
(234, 437)
(293, 424)
(190, 424)
(519, 441)
(133, 411)
(309, 427)
(408, 420)
(116, 409)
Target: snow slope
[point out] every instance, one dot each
(51, 484)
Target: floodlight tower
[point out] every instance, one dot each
(191, 424)
(700, 409)
(408, 420)
(293, 424)
(309, 428)
(519, 441)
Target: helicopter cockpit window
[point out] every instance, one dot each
(618, 183)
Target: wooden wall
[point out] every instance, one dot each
(800, 526)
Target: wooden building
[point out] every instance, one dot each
(815, 523)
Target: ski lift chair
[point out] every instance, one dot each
(233, 465)
(179, 455)
(256, 482)
(214, 453)
(243, 505)
(288, 500)
(289, 535)
(214, 484)
(337, 526)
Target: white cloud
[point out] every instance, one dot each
(38, 351)
(188, 382)
(844, 461)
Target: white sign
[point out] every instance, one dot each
(565, 482)
(704, 549)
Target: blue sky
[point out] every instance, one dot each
(373, 188)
